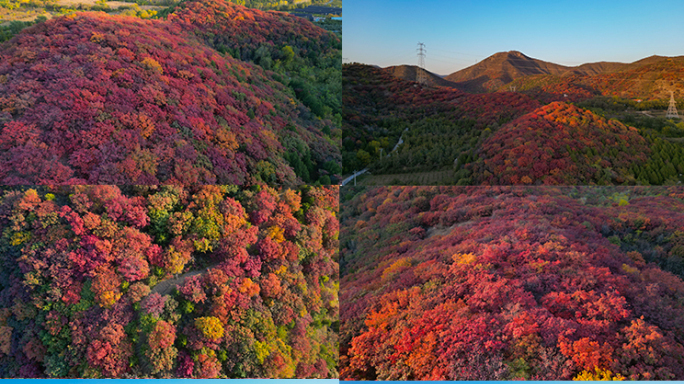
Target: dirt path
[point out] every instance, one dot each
(167, 286)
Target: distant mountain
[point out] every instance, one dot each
(410, 73)
(500, 69)
(646, 77)
(651, 78)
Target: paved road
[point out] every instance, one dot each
(350, 178)
(401, 141)
(361, 172)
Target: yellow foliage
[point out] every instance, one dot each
(249, 287)
(293, 200)
(31, 279)
(146, 124)
(109, 298)
(175, 262)
(97, 37)
(288, 369)
(636, 256)
(262, 351)
(32, 195)
(19, 238)
(598, 375)
(203, 245)
(227, 139)
(630, 270)
(276, 233)
(5, 340)
(233, 223)
(152, 64)
(395, 267)
(464, 258)
(210, 327)
(280, 270)
(526, 180)
(539, 265)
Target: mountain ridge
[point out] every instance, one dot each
(504, 68)
(409, 72)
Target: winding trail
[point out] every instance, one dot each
(167, 286)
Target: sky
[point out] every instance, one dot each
(459, 33)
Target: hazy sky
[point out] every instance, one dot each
(459, 33)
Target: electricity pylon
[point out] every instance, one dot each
(420, 76)
(672, 109)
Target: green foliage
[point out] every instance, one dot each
(519, 369)
(87, 298)
(56, 366)
(9, 30)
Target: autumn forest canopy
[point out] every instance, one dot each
(506, 283)
(90, 98)
(169, 204)
(200, 282)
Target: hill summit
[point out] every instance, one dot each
(502, 68)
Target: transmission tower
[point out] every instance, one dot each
(420, 75)
(672, 109)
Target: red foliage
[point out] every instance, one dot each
(110, 351)
(154, 304)
(242, 29)
(270, 286)
(119, 109)
(106, 286)
(560, 144)
(508, 283)
(647, 354)
(207, 365)
(192, 289)
(185, 366)
(162, 336)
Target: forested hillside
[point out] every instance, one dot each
(507, 283)
(439, 123)
(562, 144)
(306, 58)
(402, 129)
(648, 79)
(90, 98)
